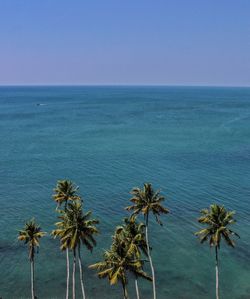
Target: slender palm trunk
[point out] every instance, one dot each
(217, 272)
(136, 288)
(125, 292)
(74, 276)
(67, 262)
(80, 269)
(32, 278)
(150, 259)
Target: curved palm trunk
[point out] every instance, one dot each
(67, 262)
(81, 275)
(125, 292)
(150, 259)
(217, 272)
(137, 289)
(74, 275)
(32, 278)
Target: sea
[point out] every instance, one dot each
(192, 143)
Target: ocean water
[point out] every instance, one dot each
(192, 143)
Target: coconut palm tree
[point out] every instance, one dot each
(117, 263)
(80, 231)
(30, 234)
(217, 219)
(146, 201)
(65, 191)
(112, 267)
(133, 235)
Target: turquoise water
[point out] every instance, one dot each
(193, 143)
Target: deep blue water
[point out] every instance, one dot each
(192, 143)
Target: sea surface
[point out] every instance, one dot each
(193, 143)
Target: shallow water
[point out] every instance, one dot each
(193, 143)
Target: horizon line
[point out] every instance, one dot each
(123, 85)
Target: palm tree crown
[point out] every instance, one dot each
(126, 248)
(62, 230)
(30, 234)
(119, 260)
(115, 265)
(79, 227)
(217, 219)
(145, 201)
(65, 191)
(132, 234)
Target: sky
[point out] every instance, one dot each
(130, 42)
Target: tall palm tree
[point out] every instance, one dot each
(116, 265)
(30, 234)
(65, 191)
(80, 231)
(133, 235)
(217, 219)
(146, 201)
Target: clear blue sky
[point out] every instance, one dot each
(183, 42)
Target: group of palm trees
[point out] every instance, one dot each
(130, 249)
(131, 241)
(74, 229)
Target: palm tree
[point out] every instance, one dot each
(65, 191)
(146, 201)
(117, 263)
(112, 267)
(81, 230)
(30, 234)
(133, 235)
(217, 219)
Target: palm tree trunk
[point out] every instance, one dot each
(67, 262)
(125, 292)
(217, 272)
(136, 288)
(74, 275)
(150, 259)
(80, 269)
(32, 278)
